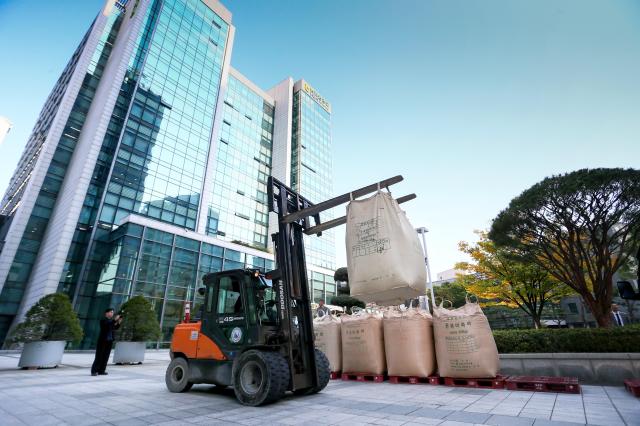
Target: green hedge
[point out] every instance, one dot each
(619, 339)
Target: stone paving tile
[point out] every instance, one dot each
(136, 395)
(399, 409)
(434, 413)
(499, 420)
(536, 414)
(462, 416)
(540, 422)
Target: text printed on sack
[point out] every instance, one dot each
(368, 237)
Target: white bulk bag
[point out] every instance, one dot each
(329, 340)
(408, 343)
(465, 347)
(384, 256)
(363, 343)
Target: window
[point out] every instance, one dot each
(210, 299)
(573, 308)
(229, 300)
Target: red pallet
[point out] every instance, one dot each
(334, 375)
(543, 384)
(436, 380)
(413, 380)
(633, 386)
(489, 383)
(364, 377)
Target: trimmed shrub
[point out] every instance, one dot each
(347, 302)
(51, 319)
(139, 322)
(618, 339)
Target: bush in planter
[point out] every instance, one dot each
(47, 328)
(139, 321)
(139, 325)
(347, 302)
(51, 319)
(594, 340)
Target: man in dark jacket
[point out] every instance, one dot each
(105, 341)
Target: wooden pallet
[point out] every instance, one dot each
(543, 384)
(414, 380)
(482, 383)
(334, 375)
(364, 377)
(633, 386)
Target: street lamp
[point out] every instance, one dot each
(429, 287)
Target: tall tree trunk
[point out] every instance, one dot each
(600, 309)
(537, 323)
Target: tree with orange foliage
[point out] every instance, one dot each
(498, 278)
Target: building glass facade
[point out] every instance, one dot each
(25, 257)
(137, 230)
(160, 161)
(239, 211)
(85, 226)
(165, 268)
(311, 167)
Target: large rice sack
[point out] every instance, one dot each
(329, 339)
(363, 343)
(385, 261)
(465, 347)
(408, 343)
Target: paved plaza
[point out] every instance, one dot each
(136, 395)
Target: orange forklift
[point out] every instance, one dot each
(255, 331)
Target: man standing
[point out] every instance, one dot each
(322, 309)
(619, 320)
(105, 341)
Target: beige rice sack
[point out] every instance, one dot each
(329, 339)
(465, 347)
(408, 343)
(363, 344)
(384, 256)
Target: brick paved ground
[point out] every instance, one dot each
(136, 395)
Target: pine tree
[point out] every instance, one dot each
(51, 319)
(139, 321)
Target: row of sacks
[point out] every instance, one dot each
(408, 342)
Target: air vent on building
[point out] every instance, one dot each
(242, 216)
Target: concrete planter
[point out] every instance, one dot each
(42, 354)
(129, 352)
(589, 368)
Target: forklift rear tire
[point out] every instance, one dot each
(260, 377)
(177, 376)
(324, 374)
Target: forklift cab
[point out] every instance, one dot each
(239, 308)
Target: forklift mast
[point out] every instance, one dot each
(290, 282)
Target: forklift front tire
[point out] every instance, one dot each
(324, 374)
(260, 377)
(177, 376)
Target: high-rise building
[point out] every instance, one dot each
(5, 127)
(147, 168)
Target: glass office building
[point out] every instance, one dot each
(147, 168)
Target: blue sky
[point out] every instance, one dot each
(472, 101)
